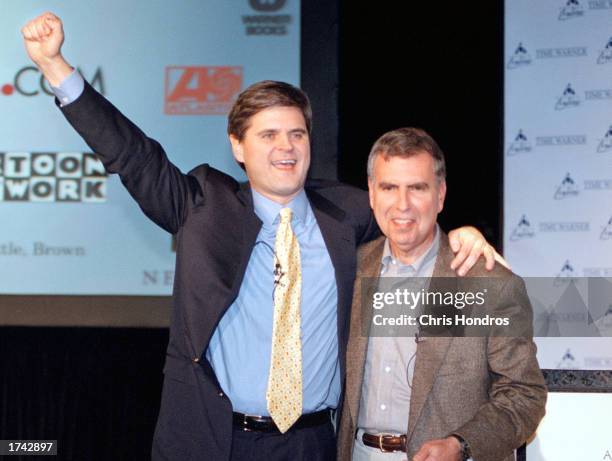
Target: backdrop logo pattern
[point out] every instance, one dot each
(561, 140)
(522, 230)
(605, 145)
(201, 90)
(520, 145)
(51, 177)
(600, 4)
(520, 58)
(567, 188)
(565, 275)
(605, 57)
(560, 100)
(606, 232)
(568, 361)
(568, 99)
(572, 9)
(567, 52)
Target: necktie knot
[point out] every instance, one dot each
(285, 215)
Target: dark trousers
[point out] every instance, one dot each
(310, 444)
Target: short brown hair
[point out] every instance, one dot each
(406, 142)
(263, 95)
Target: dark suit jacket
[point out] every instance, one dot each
(488, 389)
(212, 216)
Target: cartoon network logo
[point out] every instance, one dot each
(51, 177)
(29, 82)
(520, 58)
(523, 230)
(605, 57)
(568, 99)
(567, 188)
(201, 90)
(605, 145)
(571, 9)
(520, 145)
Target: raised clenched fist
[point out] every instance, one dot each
(43, 36)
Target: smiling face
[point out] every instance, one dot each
(406, 198)
(275, 151)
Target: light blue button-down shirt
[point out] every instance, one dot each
(239, 350)
(389, 367)
(70, 88)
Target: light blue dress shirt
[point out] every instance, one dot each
(239, 350)
(240, 347)
(70, 88)
(389, 367)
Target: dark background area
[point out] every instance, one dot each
(436, 65)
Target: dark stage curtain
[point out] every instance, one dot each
(95, 390)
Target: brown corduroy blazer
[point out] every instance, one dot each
(489, 390)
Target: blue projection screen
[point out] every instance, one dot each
(174, 68)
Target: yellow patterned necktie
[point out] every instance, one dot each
(284, 394)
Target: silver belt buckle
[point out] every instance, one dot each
(244, 421)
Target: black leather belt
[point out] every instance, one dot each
(266, 424)
(385, 442)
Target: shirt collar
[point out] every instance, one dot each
(268, 210)
(416, 266)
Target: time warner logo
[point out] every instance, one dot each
(201, 90)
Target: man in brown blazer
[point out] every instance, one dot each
(436, 397)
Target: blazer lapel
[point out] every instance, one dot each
(431, 351)
(339, 238)
(369, 266)
(251, 227)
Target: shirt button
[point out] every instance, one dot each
(220, 394)
(65, 99)
(383, 407)
(387, 369)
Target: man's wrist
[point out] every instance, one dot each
(54, 69)
(464, 447)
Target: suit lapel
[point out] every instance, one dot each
(251, 226)
(431, 351)
(339, 238)
(369, 267)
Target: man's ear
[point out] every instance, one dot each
(441, 194)
(237, 148)
(371, 186)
